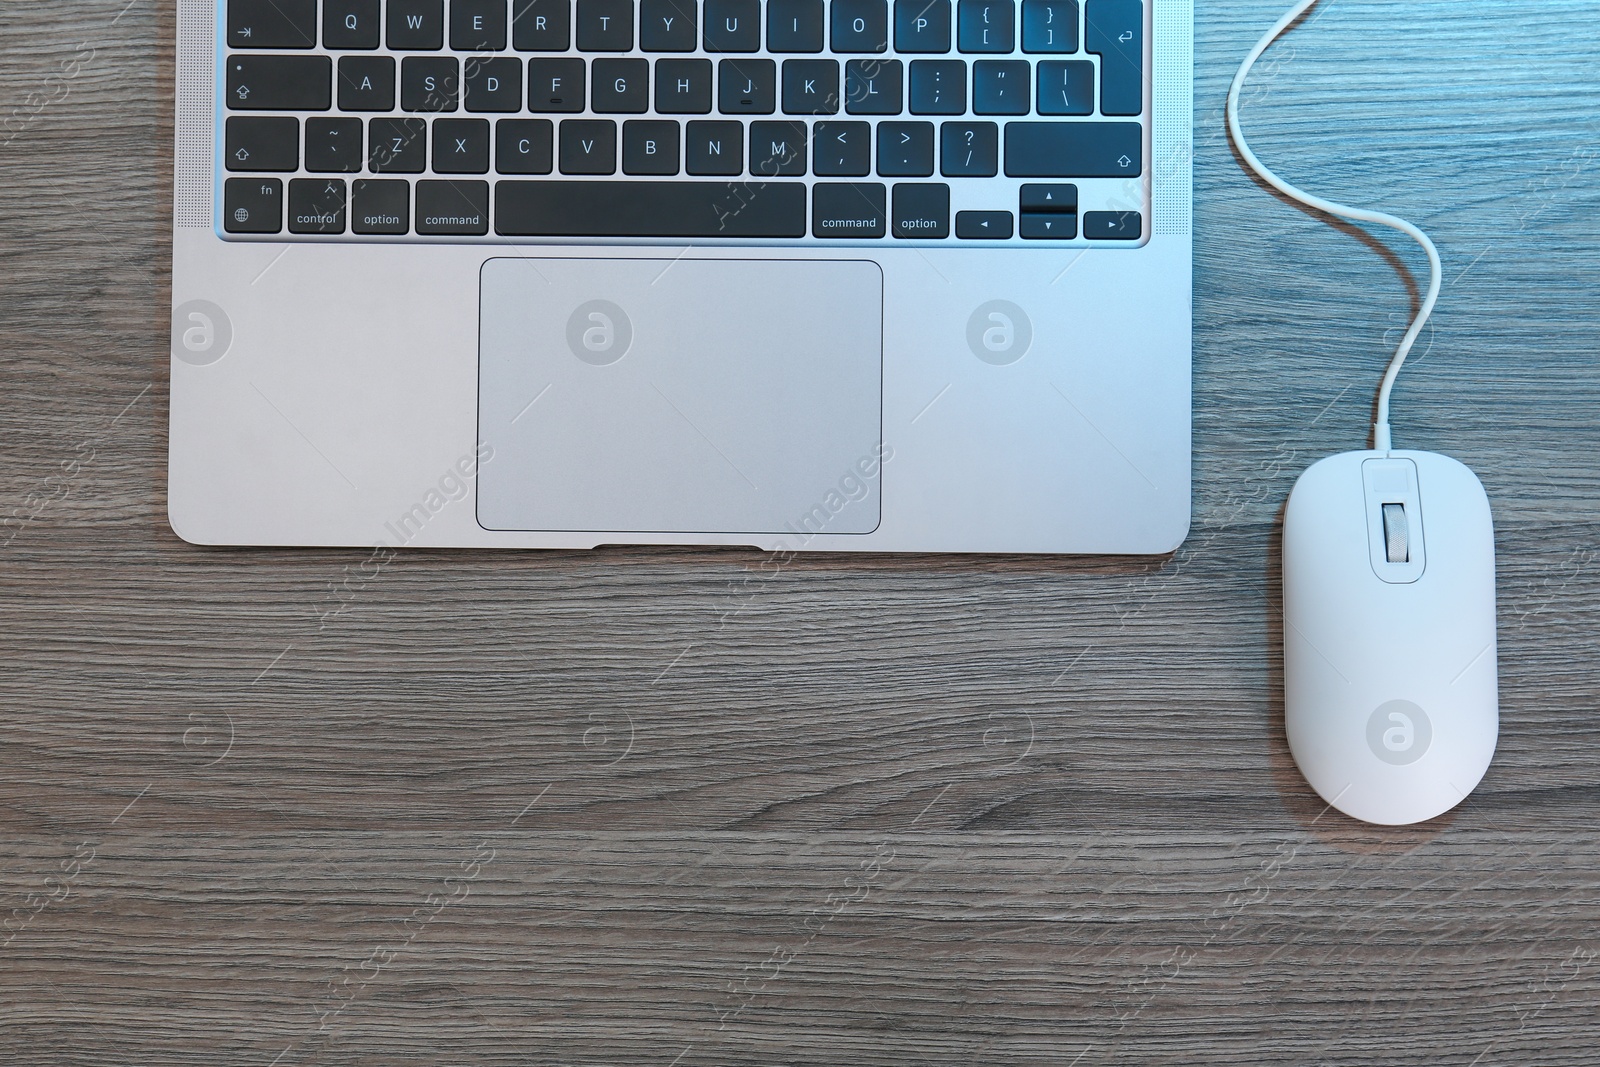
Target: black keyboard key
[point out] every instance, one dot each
(650, 209)
(650, 146)
(523, 146)
(777, 149)
(841, 149)
(588, 146)
(555, 84)
(969, 149)
(986, 26)
(794, 25)
(1048, 226)
(733, 25)
(461, 146)
(620, 86)
(1049, 26)
(397, 146)
(605, 25)
(492, 84)
(1066, 87)
(668, 26)
(415, 25)
(847, 209)
(272, 24)
(380, 206)
(541, 25)
(1000, 86)
(316, 205)
(860, 26)
(453, 208)
(1073, 149)
(874, 87)
(280, 83)
(1113, 225)
(938, 87)
(366, 83)
(252, 205)
(811, 87)
(922, 25)
(905, 149)
(1057, 198)
(683, 86)
(252, 143)
(333, 145)
(747, 86)
(983, 225)
(1114, 31)
(714, 148)
(430, 83)
(478, 25)
(921, 210)
(350, 24)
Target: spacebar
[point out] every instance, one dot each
(650, 209)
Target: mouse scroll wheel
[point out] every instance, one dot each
(1396, 534)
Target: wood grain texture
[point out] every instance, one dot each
(652, 806)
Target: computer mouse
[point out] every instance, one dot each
(1391, 688)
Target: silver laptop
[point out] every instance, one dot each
(838, 275)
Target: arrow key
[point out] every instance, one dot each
(1113, 225)
(1049, 226)
(262, 144)
(983, 225)
(1038, 197)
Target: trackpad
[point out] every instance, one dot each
(688, 396)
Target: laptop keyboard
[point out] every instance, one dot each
(952, 121)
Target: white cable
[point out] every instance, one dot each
(1380, 428)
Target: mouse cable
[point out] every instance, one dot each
(1380, 428)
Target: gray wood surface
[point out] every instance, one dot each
(662, 807)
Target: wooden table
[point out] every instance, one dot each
(665, 807)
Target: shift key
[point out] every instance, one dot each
(1074, 149)
(280, 83)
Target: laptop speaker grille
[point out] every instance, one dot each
(193, 133)
(1173, 104)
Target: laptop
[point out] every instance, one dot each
(803, 275)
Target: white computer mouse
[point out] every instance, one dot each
(1391, 691)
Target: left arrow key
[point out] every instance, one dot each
(262, 144)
